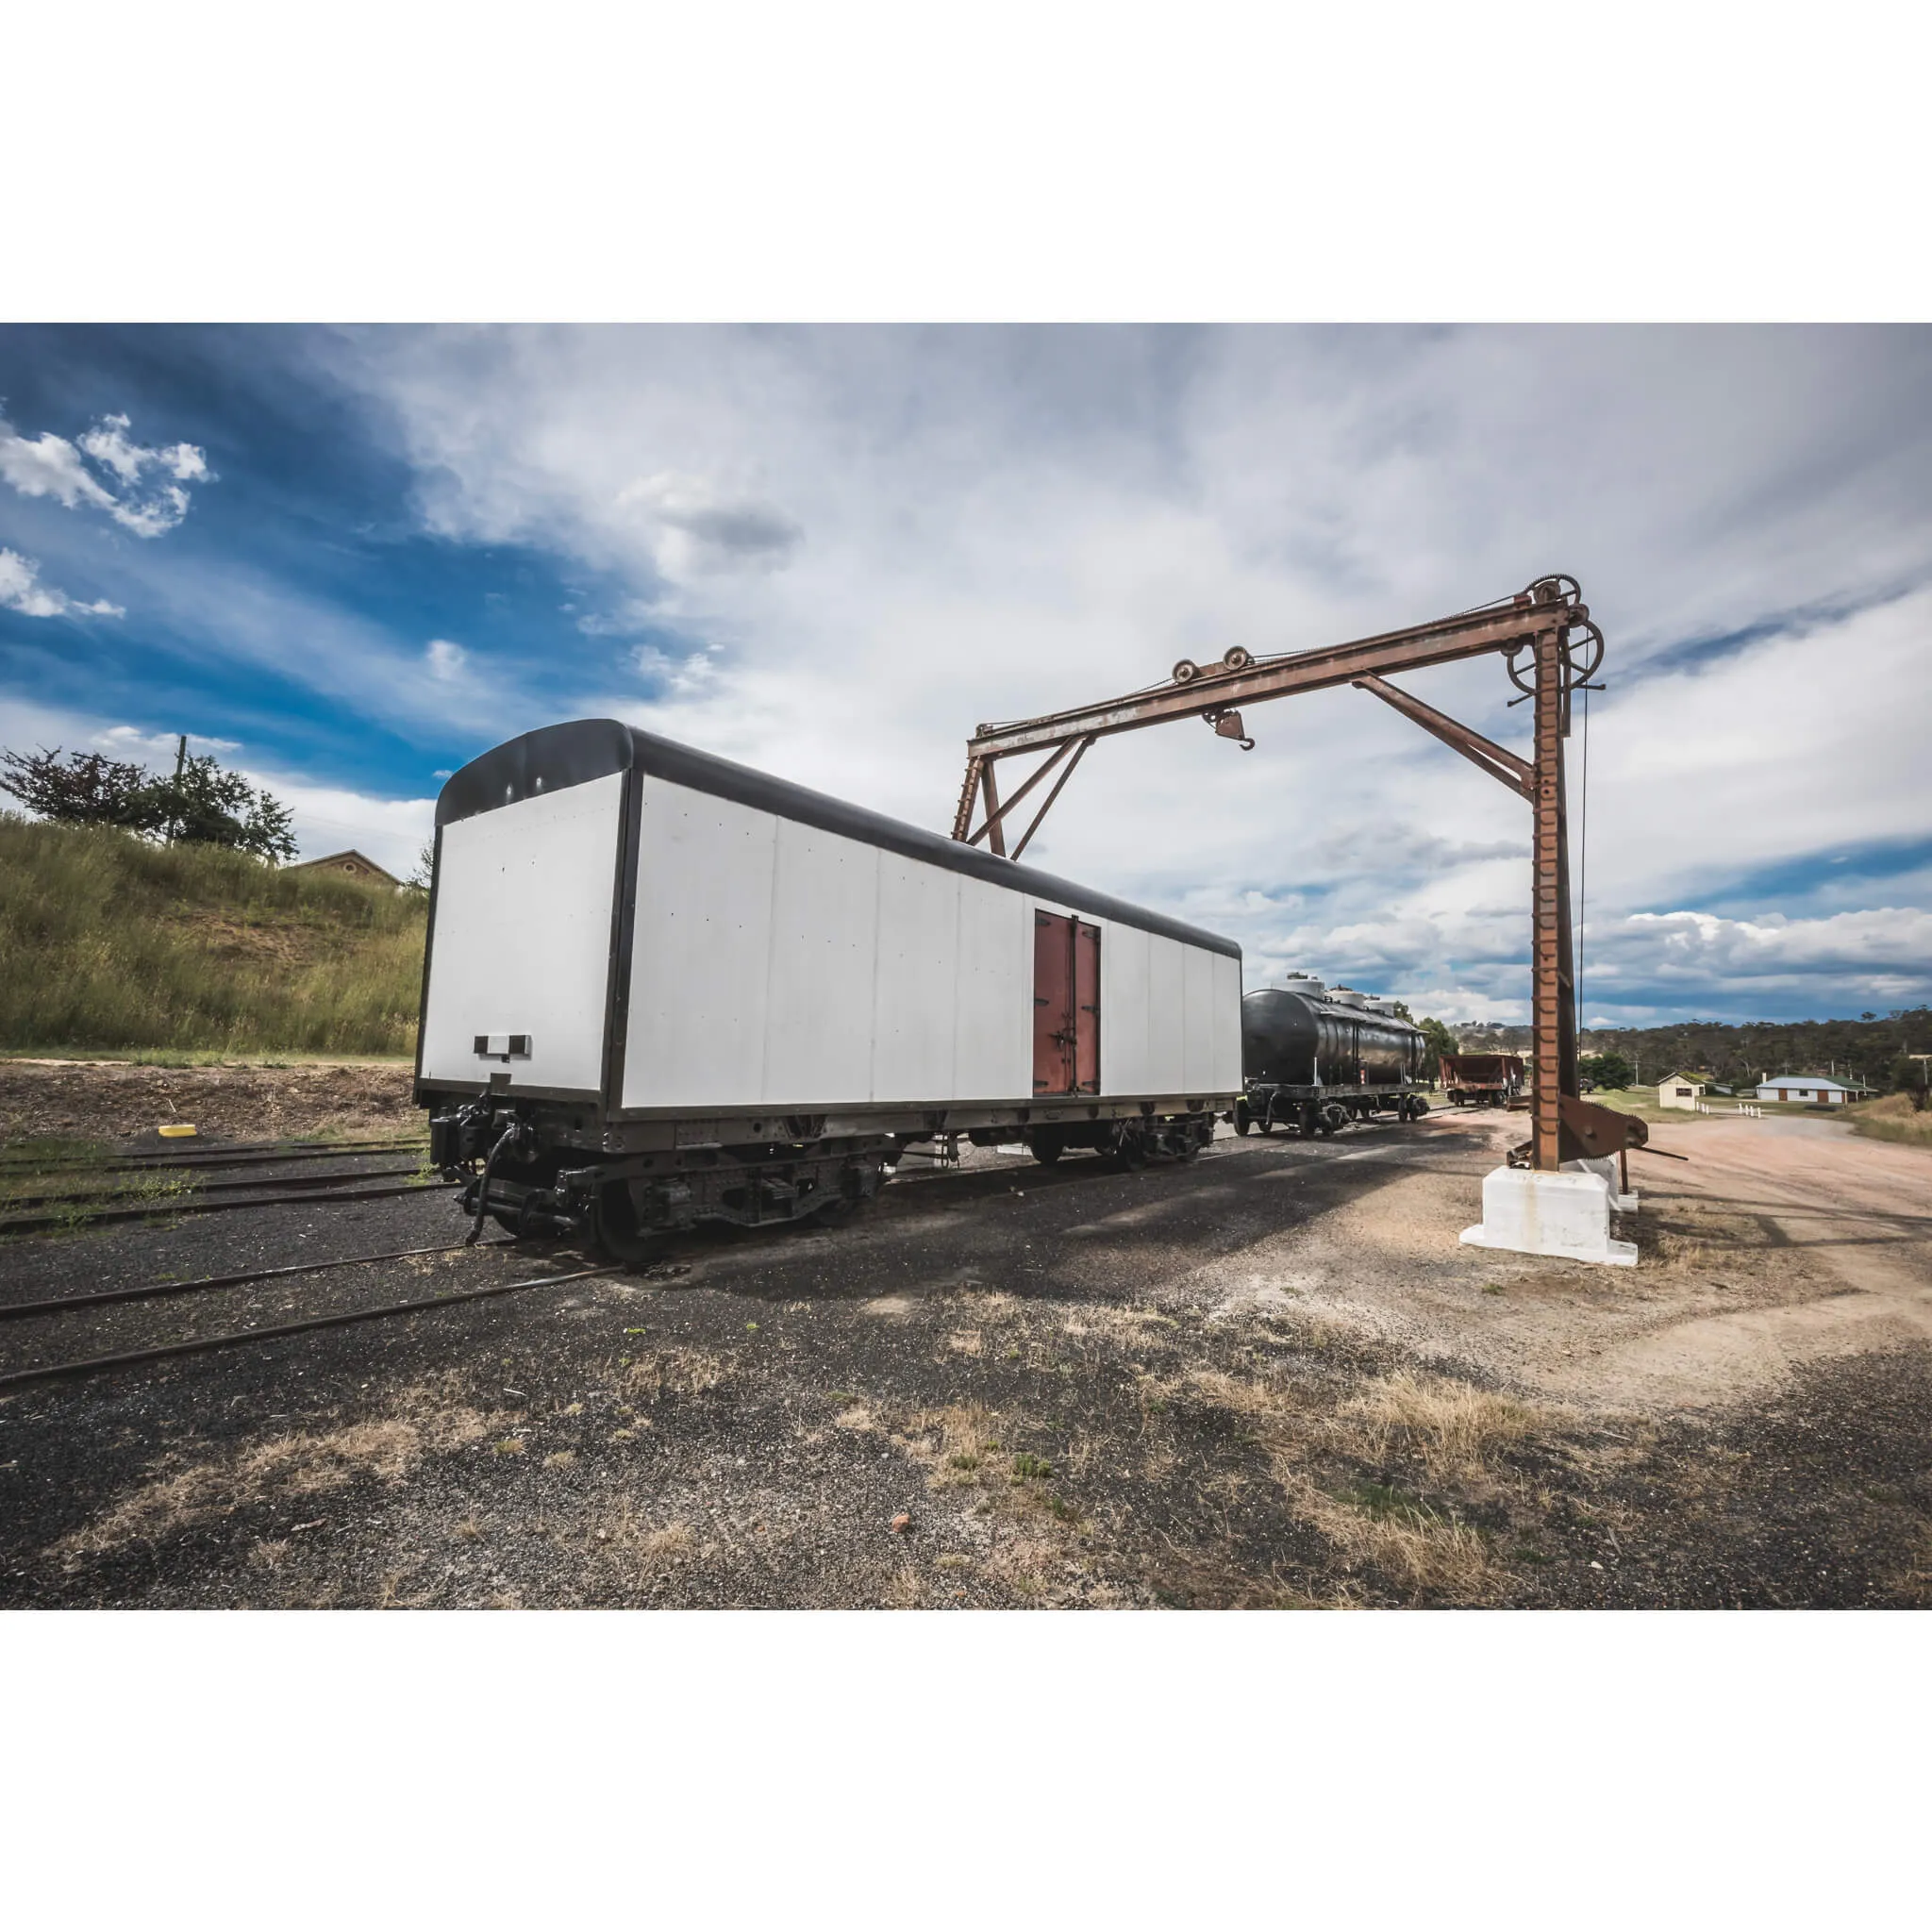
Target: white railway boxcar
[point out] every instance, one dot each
(661, 988)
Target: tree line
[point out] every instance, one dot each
(197, 804)
(1875, 1050)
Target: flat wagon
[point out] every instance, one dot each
(662, 988)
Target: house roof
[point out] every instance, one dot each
(1805, 1080)
(1696, 1080)
(337, 858)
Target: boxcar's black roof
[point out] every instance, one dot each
(565, 754)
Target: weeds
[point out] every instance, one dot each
(113, 943)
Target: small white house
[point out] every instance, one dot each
(1683, 1090)
(1805, 1089)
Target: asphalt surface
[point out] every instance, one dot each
(1271, 1376)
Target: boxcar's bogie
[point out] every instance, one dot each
(1127, 1144)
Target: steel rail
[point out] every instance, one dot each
(101, 1298)
(40, 1224)
(193, 1190)
(206, 1156)
(54, 1371)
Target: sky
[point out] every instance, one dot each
(348, 559)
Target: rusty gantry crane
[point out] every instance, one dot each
(1551, 647)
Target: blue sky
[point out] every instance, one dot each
(352, 558)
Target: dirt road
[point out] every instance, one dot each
(1272, 1378)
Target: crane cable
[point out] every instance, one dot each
(1582, 861)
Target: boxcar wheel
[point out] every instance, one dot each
(616, 1228)
(1243, 1120)
(1047, 1146)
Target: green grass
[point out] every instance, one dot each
(115, 945)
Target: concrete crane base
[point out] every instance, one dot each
(1564, 1214)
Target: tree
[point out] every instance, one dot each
(423, 877)
(86, 790)
(1908, 1076)
(199, 804)
(1438, 1039)
(203, 805)
(1607, 1069)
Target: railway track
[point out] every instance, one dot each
(109, 1195)
(242, 1155)
(308, 1325)
(189, 1204)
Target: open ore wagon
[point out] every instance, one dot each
(662, 988)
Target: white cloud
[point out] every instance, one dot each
(108, 444)
(21, 590)
(157, 749)
(1004, 522)
(684, 676)
(48, 466)
(51, 466)
(446, 660)
(696, 527)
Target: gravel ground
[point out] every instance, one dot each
(117, 1100)
(1270, 1377)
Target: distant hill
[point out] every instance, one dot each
(1863, 1050)
(110, 943)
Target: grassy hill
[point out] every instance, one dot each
(110, 943)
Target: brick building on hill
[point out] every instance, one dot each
(352, 864)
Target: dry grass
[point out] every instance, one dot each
(1450, 1428)
(1138, 1330)
(950, 1443)
(114, 942)
(1421, 1551)
(675, 1372)
(642, 1549)
(1893, 1119)
(1453, 1427)
(428, 1421)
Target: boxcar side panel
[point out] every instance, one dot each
(1227, 1023)
(1123, 968)
(918, 963)
(825, 937)
(701, 952)
(1166, 1021)
(522, 945)
(1197, 1027)
(992, 1015)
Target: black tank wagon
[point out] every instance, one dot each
(1314, 1059)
